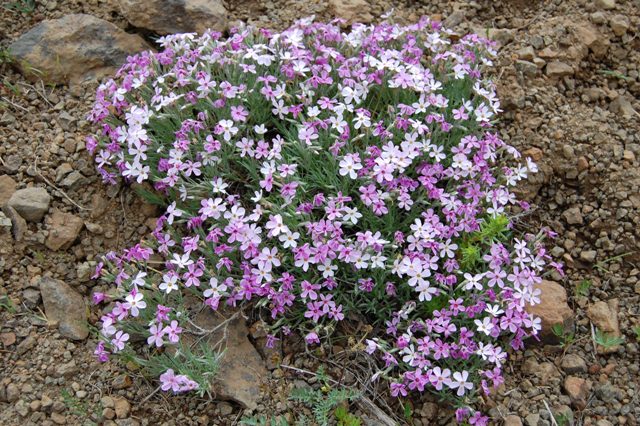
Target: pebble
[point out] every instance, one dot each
(606, 4)
(557, 69)
(578, 390)
(122, 408)
(30, 203)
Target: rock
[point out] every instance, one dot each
(64, 305)
(512, 421)
(169, 17)
(542, 370)
(74, 48)
(21, 408)
(532, 419)
(605, 4)
(573, 216)
(619, 25)
(121, 381)
(30, 203)
(622, 106)
(68, 369)
(526, 53)
(588, 255)
(224, 408)
(572, 364)
(527, 68)
(58, 418)
(26, 345)
(353, 11)
(18, 225)
(578, 390)
(453, 20)
(122, 408)
(590, 37)
(429, 411)
(7, 339)
(7, 188)
(13, 393)
(557, 69)
(242, 369)
(608, 393)
(73, 180)
(31, 298)
(552, 309)
(604, 316)
(64, 228)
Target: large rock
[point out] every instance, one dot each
(242, 371)
(74, 47)
(63, 305)
(604, 316)
(7, 188)
(552, 309)
(30, 203)
(578, 390)
(175, 16)
(64, 228)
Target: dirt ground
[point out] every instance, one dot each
(569, 78)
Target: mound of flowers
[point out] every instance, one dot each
(324, 177)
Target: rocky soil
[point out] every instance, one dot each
(569, 78)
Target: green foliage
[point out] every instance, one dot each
(470, 256)
(345, 418)
(264, 421)
(20, 6)
(493, 229)
(607, 340)
(636, 330)
(582, 289)
(322, 401)
(567, 338)
(6, 304)
(200, 364)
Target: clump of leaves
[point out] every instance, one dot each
(566, 337)
(607, 340)
(583, 287)
(324, 400)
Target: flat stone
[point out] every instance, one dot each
(573, 216)
(64, 229)
(578, 391)
(606, 4)
(588, 255)
(242, 370)
(557, 69)
(63, 305)
(552, 309)
(74, 48)
(7, 188)
(170, 17)
(30, 203)
(604, 316)
(122, 408)
(512, 421)
(573, 364)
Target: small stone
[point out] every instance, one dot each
(583, 164)
(19, 226)
(527, 68)
(588, 255)
(13, 393)
(557, 69)
(107, 401)
(608, 393)
(532, 419)
(225, 408)
(21, 408)
(534, 153)
(628, 156)
(572, 364)
(30, 203)
(64, 229)
(63, 170)
(67, 369)
(526, 53)
(122, 408)
(73, 180)
(429, 411)
(353, 11)
(7, 339)
(604, 316)
(573, 216)
(605, 4)
(621, 105)
(64, 305)
(512, 421)
(578, 390)
(619, 25)
(31, 297)
(552, 309)
(58, 418)
(7, 188)
(109, 413)
(26, 345)
(84, 272)
(122, 381)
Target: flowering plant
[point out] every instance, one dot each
(324, 176)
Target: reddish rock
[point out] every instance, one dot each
(604, 316)
(578, 390)
(64, 229)
(552, 309)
